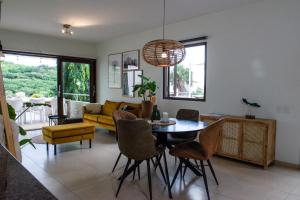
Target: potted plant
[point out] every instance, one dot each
(147, 90)
(250, 105)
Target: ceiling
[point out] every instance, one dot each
(98, 20)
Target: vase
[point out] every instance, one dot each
(155, 113)
(147, 108)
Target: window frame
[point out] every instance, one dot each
(166, 75)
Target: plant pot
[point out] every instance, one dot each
(147, 108)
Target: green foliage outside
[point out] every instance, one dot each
(34, 81)
(41, 81)
(76, 81)
(182, 80)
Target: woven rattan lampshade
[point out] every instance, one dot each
(163, 53)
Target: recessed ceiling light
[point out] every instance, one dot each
(67, 29)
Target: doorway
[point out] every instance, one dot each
(46, 79)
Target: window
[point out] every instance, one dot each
(186, 81)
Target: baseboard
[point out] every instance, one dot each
(287, 164)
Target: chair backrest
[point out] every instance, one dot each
(135, 139)
(53, 104)
(187, 114)
(210, 136)
(120, 114)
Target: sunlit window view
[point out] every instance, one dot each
(187, 79)
(31, 76)
(76, 81)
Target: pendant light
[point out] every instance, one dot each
(1, 48)
(163, 52)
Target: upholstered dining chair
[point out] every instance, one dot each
(202, 151)
(137, 147)
(117, 115)
(178, 138)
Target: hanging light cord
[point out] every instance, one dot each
(164, 18)
(0, 9)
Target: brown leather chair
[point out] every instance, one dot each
(136, 142)
(202, 151)
(178, 138)
(117, 115)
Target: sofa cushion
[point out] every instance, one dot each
(109, 107)
(75, 108)
(134, 108)
(68, 130)
(104, 119)
(91, 117)
(93, 108)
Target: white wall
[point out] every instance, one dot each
(253, 52)
(19, 41)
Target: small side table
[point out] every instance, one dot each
(56, 119)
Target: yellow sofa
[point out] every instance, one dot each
(101, 115)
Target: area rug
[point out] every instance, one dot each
(38, 139)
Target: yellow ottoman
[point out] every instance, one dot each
(68, 133)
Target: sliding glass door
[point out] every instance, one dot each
(76, 81)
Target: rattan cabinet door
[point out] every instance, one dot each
(231, 139)
(253, 141)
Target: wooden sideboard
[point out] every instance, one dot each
(250, 140)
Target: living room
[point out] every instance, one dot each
(250, 51)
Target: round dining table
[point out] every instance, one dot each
(161, 131)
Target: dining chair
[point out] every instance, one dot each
(117, 115)
(202, 151)
(137, 147)
(178, 138)
(37, 109)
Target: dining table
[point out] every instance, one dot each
(162, 129)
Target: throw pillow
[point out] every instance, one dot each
(93, 108)
(109, 107)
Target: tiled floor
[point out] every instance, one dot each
(82, 173)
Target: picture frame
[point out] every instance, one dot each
(115, 70)
(128, 84)
(138, 80)
(131, 60)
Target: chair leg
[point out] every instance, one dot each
(184, 171)
(197, 164)
(116, 163)
(177, 171)
(90, 143)
(123, 176)
(149, 178)
(167, 175)
(212, 171)
(139, 172)
(204, 178)
(47, 147)
(161, 171)
(55, 149)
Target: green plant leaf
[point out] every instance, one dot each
(22, 131)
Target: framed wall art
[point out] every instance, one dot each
(137, 79)
(128, 84)
(131, 60)
(114, 70)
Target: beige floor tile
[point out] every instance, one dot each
(78, 172)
